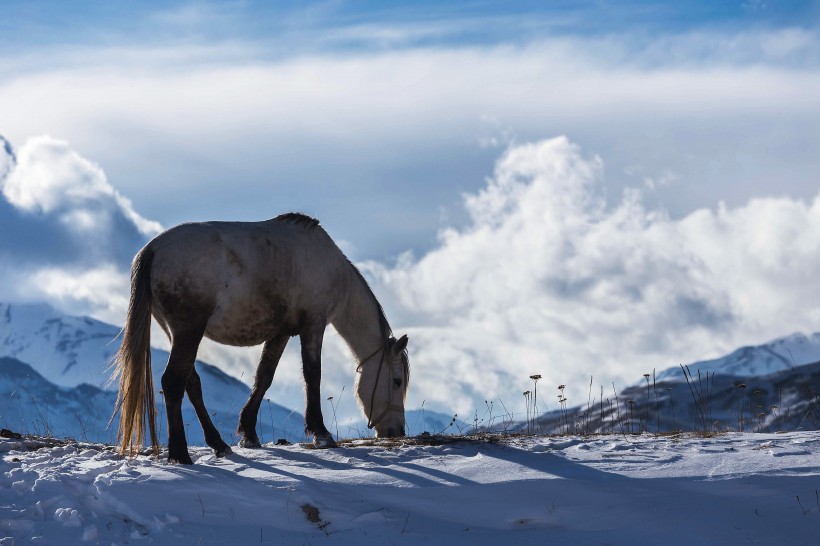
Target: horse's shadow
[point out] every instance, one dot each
(406, 470)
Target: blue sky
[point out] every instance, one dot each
(101, 22)
(616, 185)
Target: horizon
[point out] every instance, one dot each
(347, 417)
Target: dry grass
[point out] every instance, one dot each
(31, 442)
(429, 440)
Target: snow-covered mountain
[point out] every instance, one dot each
(782, 401)
(67, 350)
(770, 387)
(32, 404)
(775, 356)
(56, 378)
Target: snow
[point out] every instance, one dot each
(612, 489)
(496, 489)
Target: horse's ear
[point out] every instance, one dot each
(401, 344)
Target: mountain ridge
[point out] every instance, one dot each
(773, 356)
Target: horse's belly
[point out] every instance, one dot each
(237, 336)
(246, 324)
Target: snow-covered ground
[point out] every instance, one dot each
(730, 489)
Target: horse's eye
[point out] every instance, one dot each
(397, 382)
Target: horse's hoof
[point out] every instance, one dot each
(180, 459)
(323, 442)
(223, 452)
(250, 443)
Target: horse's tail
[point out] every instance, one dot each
(132, 363)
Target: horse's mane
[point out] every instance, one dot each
(385, 327)
(308, 222)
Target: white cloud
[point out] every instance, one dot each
(51, 178)
(549, 279)
(66, 235)
(102, 291)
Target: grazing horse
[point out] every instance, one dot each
(246, 283)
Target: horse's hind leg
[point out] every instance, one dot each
(194, 389)
(271, 353)
(311, 340)
(174, 382)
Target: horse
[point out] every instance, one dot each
(243, 284)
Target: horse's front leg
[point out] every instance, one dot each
(311, 339)
(271, 353)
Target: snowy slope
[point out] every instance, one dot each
(70, 356)
(67, 350)
(781, 354)
(781, 391)
(681, 490)
(31, 404)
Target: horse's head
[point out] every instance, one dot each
(382, 387)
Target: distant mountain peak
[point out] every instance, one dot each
(779, 354)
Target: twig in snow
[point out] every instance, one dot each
(801, 505)
(201, 504)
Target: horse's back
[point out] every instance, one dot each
(247, 282)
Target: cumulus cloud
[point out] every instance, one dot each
(550, 278)
(66, 235)
(47, 177)
(101, 291)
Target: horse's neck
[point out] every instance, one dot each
(359, 324)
